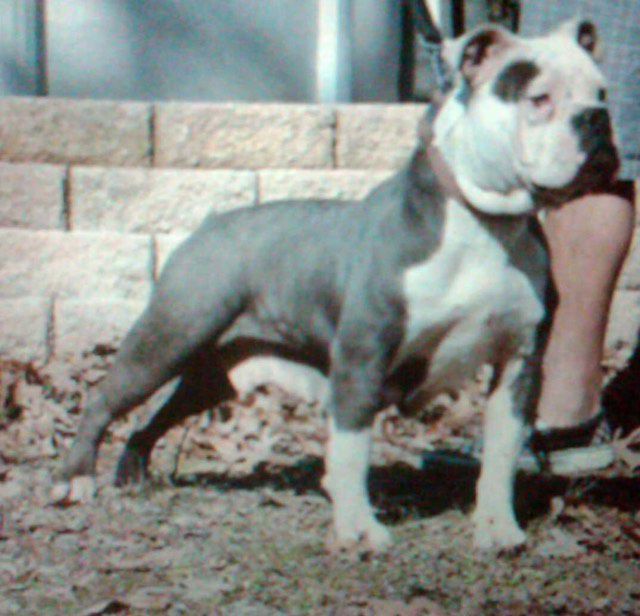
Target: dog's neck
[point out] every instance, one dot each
(517, 202)
(443, 175)
(435, 177)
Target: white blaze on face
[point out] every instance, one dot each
(477, 140)
(548, 147)
(503, 144)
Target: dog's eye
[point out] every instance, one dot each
(602, 95)
(541, 100)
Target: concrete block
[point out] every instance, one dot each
(23, 329)
(153, 200)
(243, 136)
(31, 196)
(75, 131)
(44, 263)
(345, 184)
(376, 136)
(80, 325)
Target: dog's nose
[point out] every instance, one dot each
(593, 123)
(593, 127)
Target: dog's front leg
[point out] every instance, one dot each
(495, 523)
(356, 378)
(347, 467)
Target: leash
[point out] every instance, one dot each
(431, 40)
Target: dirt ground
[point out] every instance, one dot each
(234, 521)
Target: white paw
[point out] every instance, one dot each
(376, 536)
(497, 533)
(366, 535)
(76, 491)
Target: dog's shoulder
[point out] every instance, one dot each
(478, 267)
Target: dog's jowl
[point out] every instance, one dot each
(394, 299)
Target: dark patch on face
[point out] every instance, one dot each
(514, 79)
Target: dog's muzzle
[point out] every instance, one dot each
(599, 170)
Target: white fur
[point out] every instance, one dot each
(548, 151)
(296, 378)
(468, 303)
(347, 466)
(499, 149)
(478, 142)
(470, 291)
(495, 523)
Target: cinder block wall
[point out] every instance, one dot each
(95, 195)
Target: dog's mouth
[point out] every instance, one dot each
(598, 172)
(596, 175)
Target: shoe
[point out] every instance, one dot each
(569, 452)
(575, 450)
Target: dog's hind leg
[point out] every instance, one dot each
(203, 385)
(157, 348)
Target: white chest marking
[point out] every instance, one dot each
(465, 293)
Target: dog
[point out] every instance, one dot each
(394, 299)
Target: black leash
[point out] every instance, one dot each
(424, 23)
(431, 40)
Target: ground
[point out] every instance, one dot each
(234, 520)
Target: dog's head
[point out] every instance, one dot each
(526, 121)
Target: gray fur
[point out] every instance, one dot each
(440, 270)
(318, 282)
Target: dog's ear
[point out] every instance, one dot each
(474, 54)
(585, 33)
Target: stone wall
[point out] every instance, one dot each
(95, 195)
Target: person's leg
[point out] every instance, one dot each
(588, 239)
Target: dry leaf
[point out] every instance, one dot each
(151, 598)
(10, 490)
(628, 449)
(77, 491)
(111, 606)
(419, 606)
(560, 545)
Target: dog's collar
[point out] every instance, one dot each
(444, 176)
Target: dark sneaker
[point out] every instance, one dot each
(573, 451)
(576, 450)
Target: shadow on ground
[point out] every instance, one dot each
(399, 491)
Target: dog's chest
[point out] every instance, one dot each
(467, 299)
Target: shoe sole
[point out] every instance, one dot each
(566, 462)
(581, 460)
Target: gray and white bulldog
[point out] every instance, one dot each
(394, 299)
